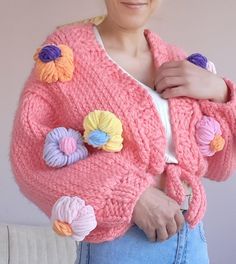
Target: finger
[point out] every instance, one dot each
(168, 82)
(171, 228)
(179, 219)
(164, 73)
(171, 64)
(174, 92)
(151, 235)
(162, 234)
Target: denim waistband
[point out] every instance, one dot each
(187, 246)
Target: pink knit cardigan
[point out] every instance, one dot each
(113, 182)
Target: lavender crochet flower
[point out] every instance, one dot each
(63, 147)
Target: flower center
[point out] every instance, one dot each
(62, 228)
(217, 144)
(68, 145)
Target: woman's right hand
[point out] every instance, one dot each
(157, 215)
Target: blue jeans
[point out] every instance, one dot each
(188, 246)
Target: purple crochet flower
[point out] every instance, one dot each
(198, 59)
(63, 147)
(49, 53)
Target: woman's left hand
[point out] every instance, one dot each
(183, 78)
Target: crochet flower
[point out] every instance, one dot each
(208, 136)
(198, 60)
(71, 217)
(54, 63)
(201, 61)
(211, 67)
(63, 147)
(103, 130)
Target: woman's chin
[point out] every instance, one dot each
(133, 23)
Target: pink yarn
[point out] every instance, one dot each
(68, 145)
(174, 188)
(206, 129)
(73, 211)
(113, 182)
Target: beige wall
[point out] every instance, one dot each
(203, 26)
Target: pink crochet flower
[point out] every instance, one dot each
(208, 136)
(71, 217)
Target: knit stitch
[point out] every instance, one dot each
(113, 182)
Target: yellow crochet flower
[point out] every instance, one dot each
(103, 130)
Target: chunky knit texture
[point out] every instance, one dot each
(113, 182)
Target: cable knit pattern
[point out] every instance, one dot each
(113, 182)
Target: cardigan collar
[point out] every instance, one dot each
(184, 112)
(157, 45)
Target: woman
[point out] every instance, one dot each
(143, 188)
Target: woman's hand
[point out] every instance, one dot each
(157, 215)
(183, 78)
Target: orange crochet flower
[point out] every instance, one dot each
(54, 63)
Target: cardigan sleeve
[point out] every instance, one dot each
(223, 163)
(225, 110)
(107, 181)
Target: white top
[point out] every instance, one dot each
(160, 104)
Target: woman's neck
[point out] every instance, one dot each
(131, 41)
